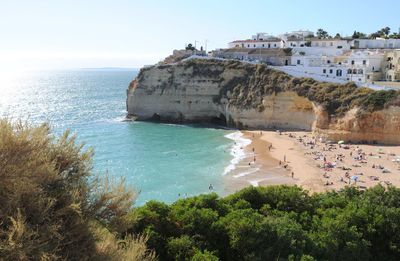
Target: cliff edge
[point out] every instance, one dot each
(248, 96)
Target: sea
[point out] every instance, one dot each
(162, 162)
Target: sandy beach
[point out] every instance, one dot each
(257, 167)
(272, 157)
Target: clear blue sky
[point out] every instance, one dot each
(86, 33)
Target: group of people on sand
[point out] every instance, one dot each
(336, 156)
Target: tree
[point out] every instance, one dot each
(357, 35)
(385, 30)
(394, 36)
(321, 33)
(181, 248)
(190, 47)
(338, 36)
(204, 256)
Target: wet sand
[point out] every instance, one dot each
(316, 166)
(265, 170)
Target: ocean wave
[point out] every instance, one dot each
(254, 183)
(237, 150)
(242, 174)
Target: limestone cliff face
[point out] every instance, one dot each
(248, 96)
(380, 126)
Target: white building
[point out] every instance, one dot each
(391, 66)
(267, 43)
(378, 43)
(295, 38)
(293, 41)
(261, 36)
(357, 66)
(331, 43)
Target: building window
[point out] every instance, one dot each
(274, 45)
(263, 45)
(331, 43)
(360, 71)
(254, 45)
(368, 77)
(352, 62)
(364, 62)
(330, 71)
(349, 71)
(269, 45)
(248, 45)
(324, 71)
(298, 61)
(354, 71)
(339, 72)
(329, 61)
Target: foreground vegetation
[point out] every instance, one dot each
(50, 210)
(275, 223)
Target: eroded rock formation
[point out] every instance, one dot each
(250, 96)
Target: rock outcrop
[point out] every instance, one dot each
(249, 96)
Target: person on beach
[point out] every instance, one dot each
(254, 158)
(253, 149)
(292, 174)
(284, 158)
(210, 187)
(280, 162)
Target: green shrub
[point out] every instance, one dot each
(281, 223)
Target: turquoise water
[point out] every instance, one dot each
(159, 160)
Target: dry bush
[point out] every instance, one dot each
(47, 201)
(132, 248)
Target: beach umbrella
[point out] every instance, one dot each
(354, 177)
(340, 142)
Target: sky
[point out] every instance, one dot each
(60, 34)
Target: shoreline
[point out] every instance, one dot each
(256, 168)
(316, 166)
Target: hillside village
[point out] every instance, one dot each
(372, 60)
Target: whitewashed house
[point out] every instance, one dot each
(295, 38)
(391, 66)
(331, 43)
(378, 43)
(250, 43)
(358, 66)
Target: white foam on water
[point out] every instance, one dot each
(242, 174)
(254, 183)
(237, 150)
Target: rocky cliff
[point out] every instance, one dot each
(242, 95)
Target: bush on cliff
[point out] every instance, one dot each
(49, 210)
(275, 223)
